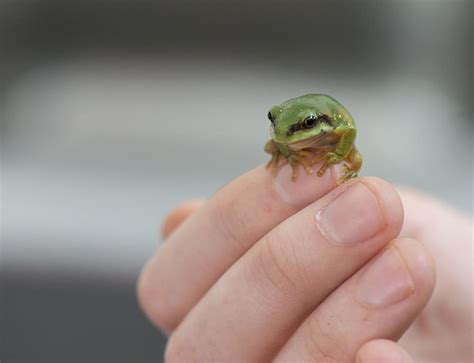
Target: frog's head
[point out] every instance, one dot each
(302, 118)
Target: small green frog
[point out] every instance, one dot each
(309, 129)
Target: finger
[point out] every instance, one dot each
(448, 234)
(380, 301)
(218, 234)
(178, 215)
(266, 295)
(382, 351)
(421, 210)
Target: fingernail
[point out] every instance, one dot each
(353, 216)
(306, 188)
(386, 281)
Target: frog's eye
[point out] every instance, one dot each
(271, 118)
(309, 122)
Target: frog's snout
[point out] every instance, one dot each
(279, 130)
(279, 134)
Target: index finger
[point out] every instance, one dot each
(219, 233)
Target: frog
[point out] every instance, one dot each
(309, 129)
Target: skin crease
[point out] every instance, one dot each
(443, 331)
(310, 128)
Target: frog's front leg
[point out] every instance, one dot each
(294, 158)
(297, 158)
(353, 164)
(272, 149)
(343, 147)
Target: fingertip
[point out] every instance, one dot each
(148, 290)
(389, 201)
(420, 264)
(382, 350)
(148, 297)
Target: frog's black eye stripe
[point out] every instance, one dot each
(309, 122)
(325, 118)
(292, 129)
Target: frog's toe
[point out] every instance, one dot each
(323, 168)
(348, 174)
(272, 164)
(294, 169)
(294, 173)
(306, 166)
(296, 160)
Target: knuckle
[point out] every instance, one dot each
(278, 264)
(230, 219)
(321, 341)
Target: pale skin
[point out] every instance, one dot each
(299, 285)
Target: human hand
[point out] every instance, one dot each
(443, 332)
(268, 269)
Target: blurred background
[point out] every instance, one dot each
(113, 112)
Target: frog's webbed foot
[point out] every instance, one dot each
(330, 159)
(352, 165)
(310, 156)
(298, 158)
(347, 174)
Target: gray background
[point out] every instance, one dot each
(114, 112)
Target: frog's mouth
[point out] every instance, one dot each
(322, 140)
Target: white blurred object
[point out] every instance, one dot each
(96, 153)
